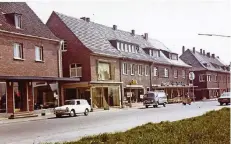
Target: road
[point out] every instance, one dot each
(66, 129)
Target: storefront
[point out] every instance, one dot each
(134, 93)
(99, 94)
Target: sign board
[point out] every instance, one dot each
(129, 94)
(133, 82)
(191, 76)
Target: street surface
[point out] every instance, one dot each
(66, 129)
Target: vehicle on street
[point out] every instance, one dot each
(224, 98)
(73, 107)
(155, 98)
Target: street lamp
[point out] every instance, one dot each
(215, 35)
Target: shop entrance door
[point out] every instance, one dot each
(20, 96)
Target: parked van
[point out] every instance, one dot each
(155, 98)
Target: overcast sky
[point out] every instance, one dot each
(175, 23)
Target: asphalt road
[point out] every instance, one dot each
(66, 129)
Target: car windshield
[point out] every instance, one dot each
(225, 94)
(69, 102)
(149, 95)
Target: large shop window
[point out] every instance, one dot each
(2, 97)
(104, 71)
(76, 70)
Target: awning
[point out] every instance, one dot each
(104, 82)
(135, 86)
(34, 78)
(171, 86)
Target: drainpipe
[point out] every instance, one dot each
(121, 91)
(60, 69)
(150, 69)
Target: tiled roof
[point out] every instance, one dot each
(208, 60)
(31, 24)
(97, 38)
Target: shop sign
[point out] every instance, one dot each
(133, 82)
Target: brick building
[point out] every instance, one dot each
(211, 75)
(29, 53)
(113, 64)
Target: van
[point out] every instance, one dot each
(155, 98)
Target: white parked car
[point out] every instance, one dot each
(73, 107)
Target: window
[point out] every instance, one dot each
(208, 77)
(122, 46)
(201, 78)
(125, 68)
(118, 45)
(104, 71)
(18, 51)
(38, 53)
(175, 73)
(18, 21)
(146, 70)
(133, 48)
(64, 45)
(155, 71)
(75, 70)
(77, 102)
(166, 72)
(174, 57)
(140, 70)
(129, 48)
(126, 47)
(132, 69)
(183, 74)
(154, 53)
(215, 78)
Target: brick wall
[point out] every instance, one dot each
(28, 66)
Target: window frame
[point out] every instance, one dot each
(20, 51)
(123, 68)
(76, 68)
(183, 74)
(175, 73)
(140, 71)
(201, 78)
(166, 72)
(41, 55)
(209, 78)
(155, 71)
(132, 69)
(64, 45)
(18, 21)
(146, 70)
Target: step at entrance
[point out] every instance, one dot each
(22, 115)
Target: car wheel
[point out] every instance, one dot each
(164, 104)
(72, 113)
(221, 103)
(58, 115)
(226, 103)
(86, 112)
(146, 106)
(155, 106)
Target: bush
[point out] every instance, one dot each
(212, 127)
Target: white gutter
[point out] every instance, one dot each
(60, 59)
(15, 33)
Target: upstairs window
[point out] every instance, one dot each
(183, 74)
(104, 71)
(215, 78)
(155, 71)
(38, 53)
(174, 57)
(75, 70)
(201, 78)
(132, 69)
(175, 73)
(18, 21)
(64, 45)
(146, 70)
(125, 68)
(18, 51)
(209, 78)
(166, 73)
(140, 70)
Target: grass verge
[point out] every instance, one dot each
(210, 128)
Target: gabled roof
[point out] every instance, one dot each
(96, 37)
(211, 62)
(31, 24)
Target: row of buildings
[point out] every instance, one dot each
(44, 65)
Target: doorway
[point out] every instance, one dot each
(20, 96)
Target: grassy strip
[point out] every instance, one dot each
(210, 128)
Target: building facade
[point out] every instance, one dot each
(212, 77)
(29, 53)
(114, 65)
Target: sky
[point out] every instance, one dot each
(176, 23)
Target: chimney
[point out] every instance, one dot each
(208, 54)
(114, 27)
(88, 19)
(133, 32)
(146, 36)
(213, 55)
(201, 51)
(183, 49)
(194, 50)
(218, 57)
(83, 18)
(204, 52)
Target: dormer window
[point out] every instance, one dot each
(153, 53)
(18, 21)
(174, 57)
(121, 46)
